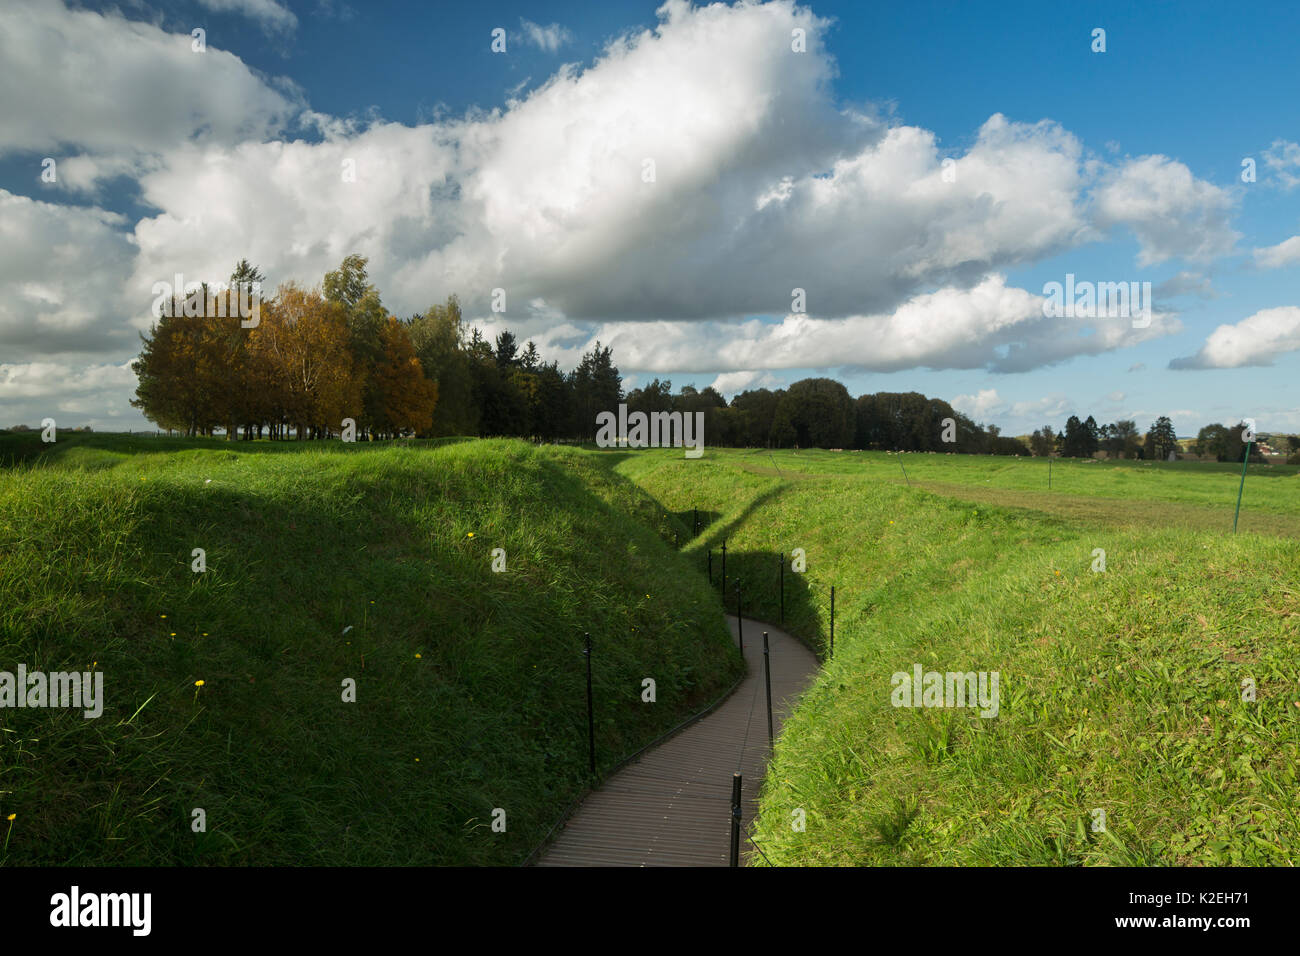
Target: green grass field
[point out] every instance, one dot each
(327, 562)
(1121, 690)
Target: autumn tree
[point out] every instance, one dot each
(406, 398)
(304, 339)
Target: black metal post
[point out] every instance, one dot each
(591, 719)
(832, 620)
(782, 576)
(740, 624)
(767, 678)
(735, 819)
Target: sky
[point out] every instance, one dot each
(663, 178)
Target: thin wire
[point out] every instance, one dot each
(758, 848)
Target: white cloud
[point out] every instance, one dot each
(1285, 253)
(1283, 158)
(61, 270)
(287, 208)
(548, 38)
(1052, 407)
(58, 380)
(271, 14)
(979, 406)
(102, 84)
(1255, 340)
(1115, 397)
(1172, 213)
(729, 383)
(989, 326)
(762, 184)
(1186, 283)
(546, 199)
(73, 395)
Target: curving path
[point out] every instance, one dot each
(672, 806)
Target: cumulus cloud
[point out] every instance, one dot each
(95, 395)
(1283, 158)
(548, 38)
(980, 405)
(1286, 253)
(61, 271)
(992, 326)
(1255, 340)
(760, 187)
(271, 14)
(1186, 283)
(729, 383)
(1172, 213)
(297, 209)
(107, 85)
(665, 199)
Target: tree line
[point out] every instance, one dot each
(318, 356)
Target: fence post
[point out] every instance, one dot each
(767, 679)
(740, 625)
(735, 819)
(1242, 486)
(591, 720)
(832, 620)
(782, 577)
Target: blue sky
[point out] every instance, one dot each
(481, 169)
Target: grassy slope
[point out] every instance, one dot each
(470, 684)
(1119, 690)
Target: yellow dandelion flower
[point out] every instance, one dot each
(198, 683)
(470, 535)
(417, 657)
(163, 616)
(11, 817)
(173, 634)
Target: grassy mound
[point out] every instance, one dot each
(1120, 691)
(326, 563)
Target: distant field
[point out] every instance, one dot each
(325, 562)
(1121, 691)
(1161, 494)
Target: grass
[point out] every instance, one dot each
(1120, 691)
(328, 562)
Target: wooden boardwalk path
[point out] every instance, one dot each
(672, 806)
